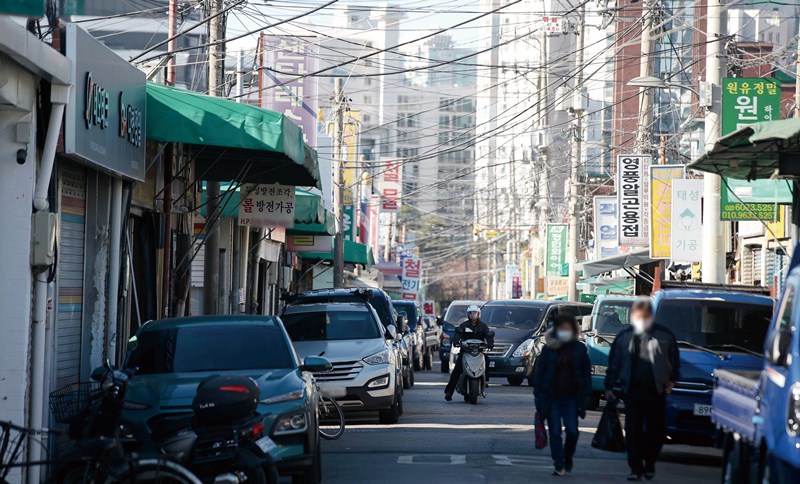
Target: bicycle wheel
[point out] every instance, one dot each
(334, 420)
(161, 471)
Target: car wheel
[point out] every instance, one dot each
(731, 464)
(408, 383)
(391, 415)
(417, 359)
(594, 401)
(428, 362)
(515, 380)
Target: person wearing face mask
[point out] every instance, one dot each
(644, 365)
(561, 387)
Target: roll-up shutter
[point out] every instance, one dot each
(747, 266)
(71, 254)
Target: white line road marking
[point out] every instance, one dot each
(447, 459)
(510, 460)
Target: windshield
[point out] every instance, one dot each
(519, 317)
(409, 311)
(612, 317)
(223, 347)
(716, 324)
(328, 326)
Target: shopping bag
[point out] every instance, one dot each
(540, 432)
(609, 432)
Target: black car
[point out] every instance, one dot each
(383, 306)
(423, 334)
(519, 326)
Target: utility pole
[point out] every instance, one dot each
(338, 200)
(577, 131)
(173, 43)
(713, 257)
(643, 132)
(216, 77)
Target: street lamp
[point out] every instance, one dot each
(654, 82)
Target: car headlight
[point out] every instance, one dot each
(793, 419)
(286, 397)
(445, 339)
(379, 358)
(380, 382)
(290, 424)
(524, 349)
(134, 405)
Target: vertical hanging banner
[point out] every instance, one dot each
(661, 180)
(267, 205)
(412, 273)
(556, 248)
(633, 183)
(374, 223)
(747, 101)
(390, 187)
(513, 281)
(428, 308)
(606, 223)
(284, 89)
(687, 228)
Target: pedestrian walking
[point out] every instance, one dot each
(561, 387)
(644, 365)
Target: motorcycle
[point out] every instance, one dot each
(473, 377)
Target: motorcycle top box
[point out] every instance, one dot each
(225, 398)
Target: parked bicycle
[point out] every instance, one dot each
(331, 417)
(92, 411)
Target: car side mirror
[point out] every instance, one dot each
(316, 364)
(98, 373)
(586, 323)
(402, 327)
(391, 332)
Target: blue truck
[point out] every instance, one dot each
(757, 413)
(717, 328)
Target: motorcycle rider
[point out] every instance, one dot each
(472, 328)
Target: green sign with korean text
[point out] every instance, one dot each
(748, 100)
(556, 248)
(25, 8)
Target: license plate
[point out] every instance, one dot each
(265, 444)
(491, 364)
(702, 410)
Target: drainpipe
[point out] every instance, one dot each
(59, 96)
(114, 268)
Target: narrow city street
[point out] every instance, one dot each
(437, 441)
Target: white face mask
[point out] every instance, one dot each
(564, 335)
(640, 325)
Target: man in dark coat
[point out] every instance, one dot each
(644, 365)
(472, 328)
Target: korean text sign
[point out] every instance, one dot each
(605, 226)
(747, 100)
(687, 228)
(661, 180)
(633, 189)
(428, 308)
(391, 187)
(412, 273)
(556, 248)
(267, 205)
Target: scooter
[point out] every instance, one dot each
(473, 377)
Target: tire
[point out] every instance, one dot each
(445, 366)
(391, 415)
(474, 389)
(593, 403)
(515, 380)
(162, 471)
(408, 382)
(732, 464)
(417, 359)
(337, 416)
(313, 474)
(427, 363)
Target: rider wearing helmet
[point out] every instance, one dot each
(472, 328)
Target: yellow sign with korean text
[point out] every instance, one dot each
(661, 177)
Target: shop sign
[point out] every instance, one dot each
(747, 101)
(267, 205)
(605, 226)
(412, 274)
(428, 308)
(390, 187)
(105, 119)
(661, 180)
(687, 227)
(309, 243)
(556, 248)
(557, 285)
(633, 191)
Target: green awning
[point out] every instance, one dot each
(230, 140)
(756, 151)
(327, 227)
(354, 253)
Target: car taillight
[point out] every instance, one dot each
(234, 388)
(793, 419)
(253, 431)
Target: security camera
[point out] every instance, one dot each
(22, 156)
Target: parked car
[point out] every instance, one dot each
(610, 315)
(456, 314)
(758, 412)
(519, 326)
(171, 357)
(382, 304)
(716, 329)
(351, 336)
(423, 336)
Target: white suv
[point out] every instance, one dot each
(352, 338)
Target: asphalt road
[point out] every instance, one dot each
(438, 441)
